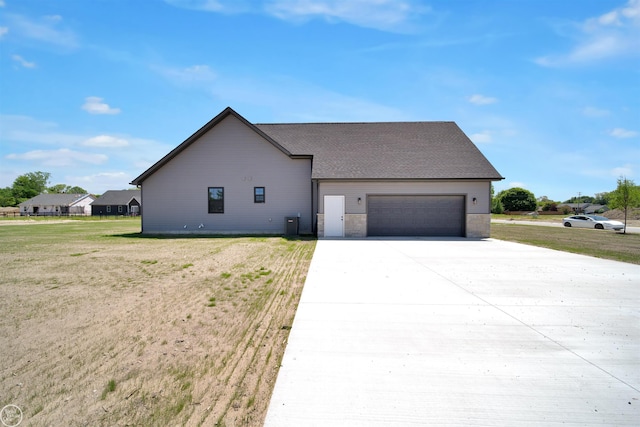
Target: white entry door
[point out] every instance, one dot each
(333, 216)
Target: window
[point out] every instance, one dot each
(258, 194)
(108, 209)
(216, 199)
(119, 208)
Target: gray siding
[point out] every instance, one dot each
(477, 218)
(352, 190)
(233, 156)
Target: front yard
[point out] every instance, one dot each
(597, 243)
(101, 326)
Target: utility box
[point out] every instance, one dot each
(291, 227)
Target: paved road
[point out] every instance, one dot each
(461, 332)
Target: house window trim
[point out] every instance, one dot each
(209, 200)
(259, 198)
(108, 209)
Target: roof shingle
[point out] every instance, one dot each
(377, 150)
(54, 199)
(117, 197)
(384, 150)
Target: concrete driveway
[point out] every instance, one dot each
(461, 332)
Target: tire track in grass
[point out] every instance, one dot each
(264, 325)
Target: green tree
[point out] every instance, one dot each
(517, 199)
(30, 185)
(580, 199)
(66, 189)
(550, 206)
(625, 196)
(601, 198)
(496, 206)
(6, 197)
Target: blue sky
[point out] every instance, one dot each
(94, 92)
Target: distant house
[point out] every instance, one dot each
(57, 205)
(584, 208)
(331, 179)
(117, 202)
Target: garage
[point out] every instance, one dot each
(416, 215)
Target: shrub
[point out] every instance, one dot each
(517, 199)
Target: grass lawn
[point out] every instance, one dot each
(597, 243)
(102, 326)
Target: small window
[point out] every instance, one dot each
(258, 194)
(108, 209)
(119, 208)
(216, 199)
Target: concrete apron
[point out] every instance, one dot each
(461, 332)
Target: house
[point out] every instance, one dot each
(332, 179)
(117, 202)
(57, 205)
(584, 208)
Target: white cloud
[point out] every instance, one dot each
(300, 101)
(103, 181)
(478, 99)
(3, 31)
(23, 62)
(60, 157)
(623, 133)
(94, 105)
(482, 137)
(46, 30)
(613, 34)
(220, 6)
(31, 131)
(518, 184)
(386, 15)
(105, 141)
(189, 75)
(625, 170)
(595, 112)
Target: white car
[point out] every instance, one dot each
(592, 221)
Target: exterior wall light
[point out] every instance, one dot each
(359, 200)
(475, 201)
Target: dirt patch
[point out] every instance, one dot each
(633, 216)
(102, 327)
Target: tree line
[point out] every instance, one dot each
(30, 185)
(625, 196)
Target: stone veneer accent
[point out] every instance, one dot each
(478, 226)
(320, 225)
(355, 225)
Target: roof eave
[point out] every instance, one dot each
(480, 178)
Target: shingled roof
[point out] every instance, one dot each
(54, 199)
(384, 150)
(117, 197)
(376, 150)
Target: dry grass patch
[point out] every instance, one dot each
(103, 327)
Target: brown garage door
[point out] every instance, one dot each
(415, 216)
